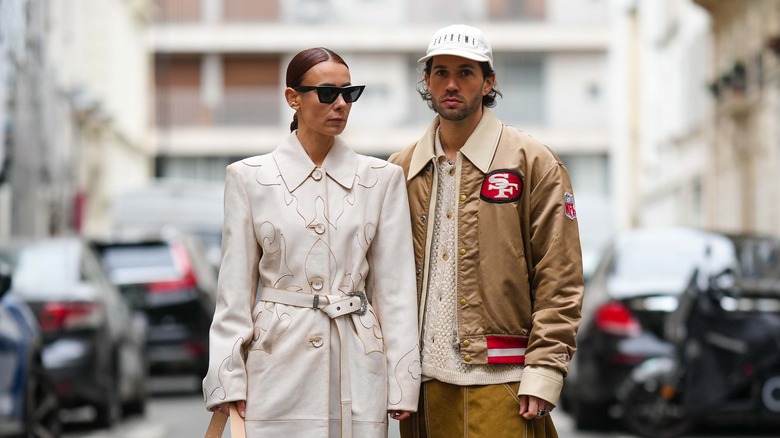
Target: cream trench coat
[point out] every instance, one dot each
(298, 231)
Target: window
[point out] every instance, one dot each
(521, 81)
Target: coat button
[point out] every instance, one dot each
(452, 171)
(316, 284)
(467, 358)
(319, 228)
(449, 214)
(463, 301)
(317, 174)
(466, 343)
(316, 341)
(462, 251)
(462, 197)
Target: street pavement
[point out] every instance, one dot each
(176, 410)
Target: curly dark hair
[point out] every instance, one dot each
(488, 100)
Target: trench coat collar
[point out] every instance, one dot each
(479, 148)
(295, 165)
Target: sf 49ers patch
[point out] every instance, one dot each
(502, 185)
(568, 206)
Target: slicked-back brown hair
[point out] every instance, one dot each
(302, 63)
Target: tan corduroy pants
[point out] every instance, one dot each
(491, 411)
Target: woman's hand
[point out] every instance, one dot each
(225, 408)
(399, 415)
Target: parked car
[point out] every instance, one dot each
(170, 279)
(627, 300)
(28, 402)
(93, 342)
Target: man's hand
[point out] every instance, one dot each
(399, 415)
(533, 407)
(240, 406)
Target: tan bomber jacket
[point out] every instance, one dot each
(520, 283)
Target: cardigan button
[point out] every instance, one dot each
(467, 358)
(463, 302)
(462, 197)
(466, 343)
(423, 218)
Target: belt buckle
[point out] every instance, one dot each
(363, 301)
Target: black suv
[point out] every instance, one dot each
(171, 279)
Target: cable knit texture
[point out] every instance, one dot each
(440, 355)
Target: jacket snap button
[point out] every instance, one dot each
(316, 341)
(467, 358)
(317, 175)
(463, 301)
(319, 228)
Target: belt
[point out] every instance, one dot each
(334, 306)
(219, 420)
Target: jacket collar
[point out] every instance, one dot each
(479, 148)
(295, 165)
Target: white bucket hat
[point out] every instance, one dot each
(460, 40)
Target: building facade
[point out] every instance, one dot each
(220, 65)
(76, 112)
(697, 139)
(660, 147)
(744, 130)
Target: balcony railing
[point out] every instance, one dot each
(230, 11)
(245, 106)
(178, 11)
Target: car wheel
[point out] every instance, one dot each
(42, 407)
(137, 406)
(109, 411)
(649, 414)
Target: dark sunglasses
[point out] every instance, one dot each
(329, 94)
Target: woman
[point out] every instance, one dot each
(326, 345)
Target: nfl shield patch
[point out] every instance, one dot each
(568, 206)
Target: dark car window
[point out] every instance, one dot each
(759, 258)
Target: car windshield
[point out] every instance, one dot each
(139, 263)
(663, 262)
(47, 270)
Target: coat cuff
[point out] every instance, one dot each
(542, 382)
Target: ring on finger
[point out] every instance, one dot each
(541, 413)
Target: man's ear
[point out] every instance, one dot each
(488, 84)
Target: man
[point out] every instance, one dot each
(499, 266)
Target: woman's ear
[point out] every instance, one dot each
(292, 98)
